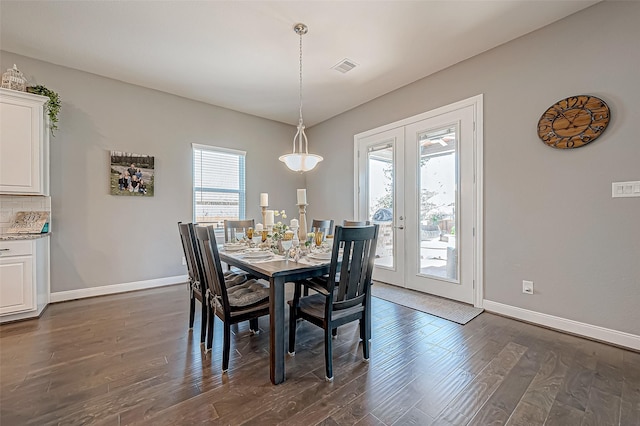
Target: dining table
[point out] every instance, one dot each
(278, 272)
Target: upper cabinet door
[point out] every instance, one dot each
(24, 144)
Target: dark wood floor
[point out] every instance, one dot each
(129, 358)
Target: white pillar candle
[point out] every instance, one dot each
(264, 199)
(302, 196)
(269, 218)
(294, 223)
(259, 227)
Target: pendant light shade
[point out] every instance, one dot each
(300, 161)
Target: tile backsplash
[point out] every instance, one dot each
(11, 204)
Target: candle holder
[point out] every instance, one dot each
(264, 215)
(302, 232)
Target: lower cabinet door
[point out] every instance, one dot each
(16, 284)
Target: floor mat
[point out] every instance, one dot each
(451, 310)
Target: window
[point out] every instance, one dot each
(218, 184)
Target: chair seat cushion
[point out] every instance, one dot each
(252, 292)
(232, 279)
(314, 306)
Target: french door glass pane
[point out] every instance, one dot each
(381, 200)
(438, 203)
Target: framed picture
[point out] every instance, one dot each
(132, 174)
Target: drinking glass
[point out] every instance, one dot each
(329, 240)
(250, 233)
(286, 246)
(319, 238)
(265, 233)
(239, 234)
(287, 243)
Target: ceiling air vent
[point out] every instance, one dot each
(344, 66)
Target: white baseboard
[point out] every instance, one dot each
(615, 337)
(61, 296)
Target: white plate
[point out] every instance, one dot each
(320, 256)
(234, 247)
(258, 255)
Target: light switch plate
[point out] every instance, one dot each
(625, 189)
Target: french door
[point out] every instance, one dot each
(418, 179)
(381, 199)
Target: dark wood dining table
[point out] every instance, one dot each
(277, 272)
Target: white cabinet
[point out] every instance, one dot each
(24, 278)
(24, 144)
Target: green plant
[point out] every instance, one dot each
(53, 106)
(436, 217)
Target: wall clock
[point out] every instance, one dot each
(574, 122)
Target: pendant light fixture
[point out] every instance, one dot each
(300, 161)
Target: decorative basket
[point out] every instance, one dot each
(14, 79)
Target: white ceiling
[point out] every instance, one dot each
(243, 55)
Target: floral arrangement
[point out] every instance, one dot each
(278, 231)
(279, 228)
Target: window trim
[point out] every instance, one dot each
(242, 179)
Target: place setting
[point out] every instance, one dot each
(258, 255)
(234, 247)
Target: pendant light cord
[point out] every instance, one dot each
(300, 135)
(300, 160)
(300, 121)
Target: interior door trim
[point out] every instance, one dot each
(478, 173)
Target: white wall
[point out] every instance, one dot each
(549, 216)
(105, 240)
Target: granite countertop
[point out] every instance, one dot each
(12, 237)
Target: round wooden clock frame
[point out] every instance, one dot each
(574, 122)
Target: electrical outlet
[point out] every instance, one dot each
(527, 287)
(184, 260)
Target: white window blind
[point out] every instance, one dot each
(218, 184)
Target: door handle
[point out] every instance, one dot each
(399, 227)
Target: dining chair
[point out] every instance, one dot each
(343, 295)
(246, 301)
(230, 227)
(326, 226)
(194, 271)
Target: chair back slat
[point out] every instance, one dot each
(344, 269)
(189, 246)
(355, 279)
(356, 223)
(356, 263)
(184, 232)
(212, 268)
(230, 227)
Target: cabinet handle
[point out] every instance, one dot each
(5, 249)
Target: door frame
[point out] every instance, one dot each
(478, 194)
